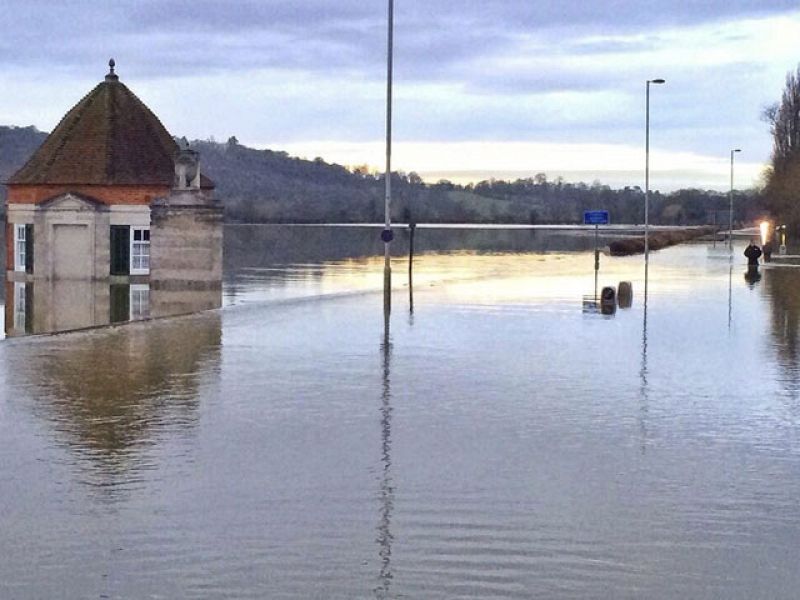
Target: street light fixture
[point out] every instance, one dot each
(730, 205)
(647, 174)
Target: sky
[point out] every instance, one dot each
(483, 88)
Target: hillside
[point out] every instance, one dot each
(270, 186)
(16, 145)
(262, 186)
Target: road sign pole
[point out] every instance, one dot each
(596, 218)
(596, 260)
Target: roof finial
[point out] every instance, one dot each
(111, 75)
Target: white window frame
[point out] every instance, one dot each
(20, 254)
(142, 243)
(139, 302)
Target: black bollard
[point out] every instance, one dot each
(624, 294)
(608, 300)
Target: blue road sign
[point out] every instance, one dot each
(595, 217)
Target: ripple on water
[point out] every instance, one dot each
(497, 444)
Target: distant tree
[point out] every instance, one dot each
(445, 184)
(361, 170)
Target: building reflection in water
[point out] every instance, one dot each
(112, 395)
(57, 306)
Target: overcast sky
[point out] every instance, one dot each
(504, 88)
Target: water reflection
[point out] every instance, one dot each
(255, 245)
(386, 489)
(532, 492)
(730, 296)
(782, 285)
(752, 276)
(129, 302)
(412, 229)
(644, 389)
(112, 395)
(411, 282)
(48, 306)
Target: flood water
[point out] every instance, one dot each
(497, 442)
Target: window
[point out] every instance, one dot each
(130, 250)
(120, 250)
(20, 247)
(140, 250)
(23, 248)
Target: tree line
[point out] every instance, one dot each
(268, 186)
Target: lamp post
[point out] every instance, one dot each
(730, 205)
(386, 234)
(647, 173)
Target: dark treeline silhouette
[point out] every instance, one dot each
(562, 202)
(783, 176)
(266, 186)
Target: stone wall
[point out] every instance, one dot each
(186, 242)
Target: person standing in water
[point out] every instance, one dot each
(753, 253)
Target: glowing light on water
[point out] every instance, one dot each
(764, 228)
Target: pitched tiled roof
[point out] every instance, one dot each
(109, 138)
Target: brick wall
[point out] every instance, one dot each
(107, 194)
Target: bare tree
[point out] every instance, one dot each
(782, 192)
(784, 120)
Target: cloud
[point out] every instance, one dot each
(191, 37)
(275, 72)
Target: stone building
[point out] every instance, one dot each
(98, 199)
(109, 200)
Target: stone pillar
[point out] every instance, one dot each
(186, 241)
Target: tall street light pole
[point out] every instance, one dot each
(647, 174)
(386, 234)
(730, 205)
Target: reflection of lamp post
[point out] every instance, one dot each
(647, 172)
(730, 208)
(386, 492)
